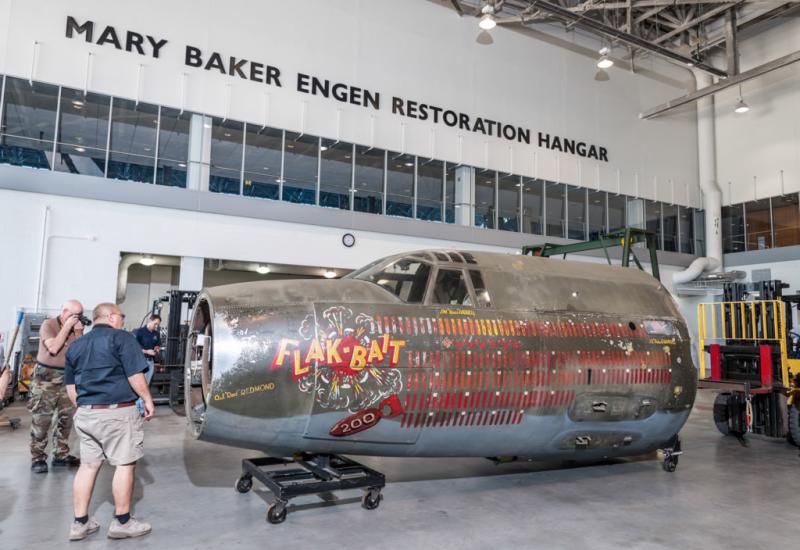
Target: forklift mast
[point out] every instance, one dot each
(169, 378)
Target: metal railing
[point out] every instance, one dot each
(761, 321)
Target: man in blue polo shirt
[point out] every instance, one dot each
(149, 337)
(104, 374)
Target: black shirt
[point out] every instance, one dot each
(147, 339)
(99, 364)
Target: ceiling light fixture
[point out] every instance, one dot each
(330, 274)
(262, 269)
(147, 260)
(741, 106)
(487, 22)
(80, 149)
(604, 62)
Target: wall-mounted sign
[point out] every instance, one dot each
(270, 75)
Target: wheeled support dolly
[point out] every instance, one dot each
(669, 455)
(316, 474)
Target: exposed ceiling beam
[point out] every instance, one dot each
(734, 80)
(731, 44)
(630, 39)
(629, 17)
(649, 13)
(686, 26)
(666, 3)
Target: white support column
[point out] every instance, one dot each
(191, 275)
(190, 278)
(199, 153)
(464, 204)
(635, 215)
(707, 170)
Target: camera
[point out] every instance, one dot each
(84, 320)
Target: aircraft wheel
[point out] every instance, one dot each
(794, 425)
(371, 499)
(244, 483)
(277, 513)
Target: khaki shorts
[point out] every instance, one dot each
(116, 435)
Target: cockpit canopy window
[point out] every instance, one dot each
(451, 288)
(405, 278)
(482, 295)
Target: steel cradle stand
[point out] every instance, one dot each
(316, 474)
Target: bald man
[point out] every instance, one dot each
(49, 403)
(104, 376)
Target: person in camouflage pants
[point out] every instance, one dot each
(49, 397)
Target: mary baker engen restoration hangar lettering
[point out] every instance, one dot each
(270, 75)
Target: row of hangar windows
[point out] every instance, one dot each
(63, 129)
(760, 224)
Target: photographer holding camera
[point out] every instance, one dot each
(48, 394)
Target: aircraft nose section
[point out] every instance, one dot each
(240, 351)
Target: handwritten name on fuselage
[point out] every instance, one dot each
(249, 390)
(661, 341)
(344, 353)
(449, 311)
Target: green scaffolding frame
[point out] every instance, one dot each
(625, 238)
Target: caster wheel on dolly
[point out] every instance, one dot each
(371, 499)
(671, 454)
(277, 513)
(670, 464)
(244, 483)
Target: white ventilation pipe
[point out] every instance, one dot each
(695, 269)
(130, 259)
(707, 178)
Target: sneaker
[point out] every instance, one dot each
(79, 531)
(133, 528)
(39, 467)
(68, 461)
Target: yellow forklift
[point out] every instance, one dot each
(753, 360)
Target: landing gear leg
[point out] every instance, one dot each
(670, 460)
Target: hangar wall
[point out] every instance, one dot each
(758, 153)
(396, 49)
(95, 233)
(121, 227)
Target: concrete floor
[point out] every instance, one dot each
(723, 495)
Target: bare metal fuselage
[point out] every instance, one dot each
(570, 360)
